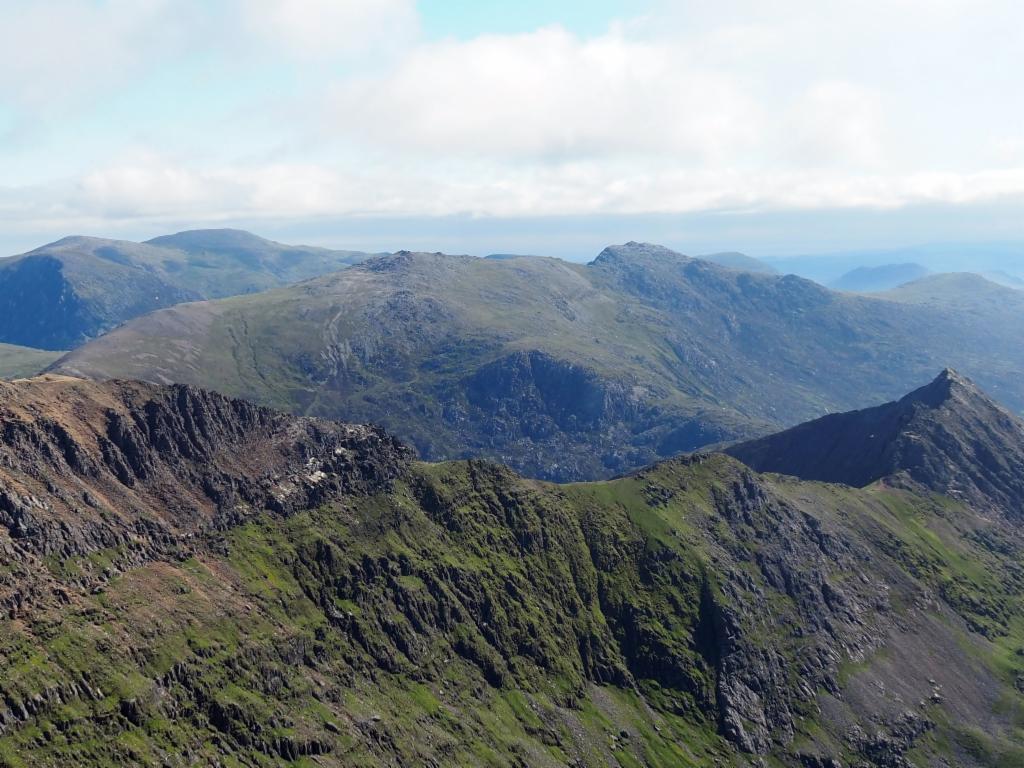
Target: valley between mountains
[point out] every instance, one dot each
(191, 579)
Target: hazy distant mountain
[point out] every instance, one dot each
(563, 370)
(982, 258)
(979, 299)
(227, 262)
(67, 292)
(1005, 279)
(740, 261)
(507, 256)
(875, 279)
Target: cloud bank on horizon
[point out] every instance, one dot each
(116, 112)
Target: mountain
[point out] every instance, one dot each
(563, 371)
(963, 291)
(18, 362)
(506, 256)
(948, 436)
(189, 579)
(63, 294)
(875, 279)
(740, 261)
(227, 262)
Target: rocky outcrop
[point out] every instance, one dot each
(86, 466)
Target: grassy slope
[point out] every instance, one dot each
(22, 362)
(476, 619)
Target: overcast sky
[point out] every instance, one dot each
(390, 123)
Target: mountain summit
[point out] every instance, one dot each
(948, 436)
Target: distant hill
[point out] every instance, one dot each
(507, 256)
(967, 292)
(875, 279)
(564, 371)
(982, 258)
(62, 294)
(19, 362)
(740, 261)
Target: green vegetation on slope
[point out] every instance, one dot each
(22, 362)
(469, 617)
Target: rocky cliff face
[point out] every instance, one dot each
(190, 579)
(948, 436)
(85, 465)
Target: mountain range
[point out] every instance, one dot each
(568, 371)
(1000, 262)
(63, 294)
(190, 579)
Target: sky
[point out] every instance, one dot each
(774, 127)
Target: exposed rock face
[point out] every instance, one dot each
(83, 464)
(948, 436)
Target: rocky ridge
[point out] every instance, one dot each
(948, 437)
(194, 579)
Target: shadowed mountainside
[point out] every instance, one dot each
(948, 437)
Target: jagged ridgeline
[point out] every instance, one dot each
(188, 579)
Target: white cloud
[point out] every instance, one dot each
(67, 50)
(694, 106)
(326, 28)
(837, 123)
(155, 189)
(549, 94)
(62, 54)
